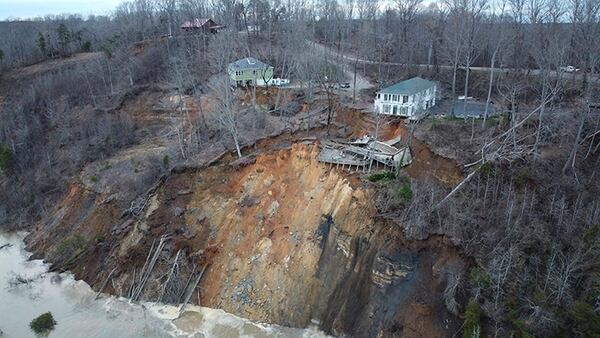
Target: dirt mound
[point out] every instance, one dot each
(427, 164)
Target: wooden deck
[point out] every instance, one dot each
(364, 153)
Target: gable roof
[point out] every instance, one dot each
(409, 87)
(248, 63)
(199, 23)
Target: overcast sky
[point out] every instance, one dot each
(33, 8)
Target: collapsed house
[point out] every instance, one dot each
(365, 153)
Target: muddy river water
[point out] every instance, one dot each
(27, 290)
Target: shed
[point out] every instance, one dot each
(472, 109)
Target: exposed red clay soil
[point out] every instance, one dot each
(266, 96)
(286, 239)
(426, 164)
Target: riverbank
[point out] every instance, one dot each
(27, 290)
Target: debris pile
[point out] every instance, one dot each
(365, 152)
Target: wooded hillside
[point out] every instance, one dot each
(77, 91)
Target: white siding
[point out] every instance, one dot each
(394, 104)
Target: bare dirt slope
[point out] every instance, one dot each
(285, 240)
(38, 68)
(275, 237)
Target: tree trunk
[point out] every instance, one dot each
(489, 95)
(454, 71)
(538, 135)
(354, 86)
(573, 156)
(466, 92)
(237, 145)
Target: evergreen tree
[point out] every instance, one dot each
(64, 38)
(42, 44)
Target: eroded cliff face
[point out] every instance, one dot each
(282, 239)
(274, 223)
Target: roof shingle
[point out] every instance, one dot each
(248, 63)
(408, 87)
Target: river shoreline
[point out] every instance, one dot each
(28, 289)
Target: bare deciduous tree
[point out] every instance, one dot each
(227, 113)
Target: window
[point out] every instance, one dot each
(404, 99)
(385, 97)
(386, 108)
(379, 96)
(395, 110)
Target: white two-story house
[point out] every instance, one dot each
(409, 98)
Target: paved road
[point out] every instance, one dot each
(362, 82)
(351, 59)
(331, 56)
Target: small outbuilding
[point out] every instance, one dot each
(472, 108)
(409, 98)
